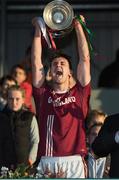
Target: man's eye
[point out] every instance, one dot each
(63, 63)
(55, 64)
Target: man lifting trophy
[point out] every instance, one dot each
(62, 104)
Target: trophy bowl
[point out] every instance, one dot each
(58, 16)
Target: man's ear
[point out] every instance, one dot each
(48, 75)
(49, 72)
(71, 73)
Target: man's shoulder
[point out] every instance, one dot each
(84, 89)
(44, 87)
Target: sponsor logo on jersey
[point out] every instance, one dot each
(58, 102)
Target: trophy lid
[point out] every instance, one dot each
(58, 15)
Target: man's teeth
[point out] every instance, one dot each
(59, 73)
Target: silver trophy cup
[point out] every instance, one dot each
(58, 16)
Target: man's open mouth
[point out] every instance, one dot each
(59, 73)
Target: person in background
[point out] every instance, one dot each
(95, 116)
(24, 126)
(107, 142)
(26, 64)
(7, 151)
(96, 166)
(5, 82)
(20, 75)
(61, 107)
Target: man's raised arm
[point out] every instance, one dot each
(38, 74)
(83, 69)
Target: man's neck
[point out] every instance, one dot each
(64, 86)
(60, 88)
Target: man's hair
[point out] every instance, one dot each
(57, 54)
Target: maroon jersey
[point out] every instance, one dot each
(62, 120)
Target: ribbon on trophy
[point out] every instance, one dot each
(46, 35)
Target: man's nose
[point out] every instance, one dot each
(58, 64)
